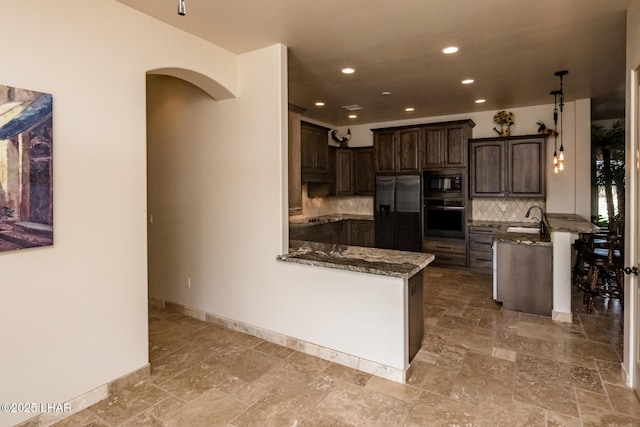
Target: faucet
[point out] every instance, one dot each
(543, 217)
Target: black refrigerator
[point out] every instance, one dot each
(397, 213)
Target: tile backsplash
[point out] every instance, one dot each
(480, 209)
(503, 209)
(319, 206)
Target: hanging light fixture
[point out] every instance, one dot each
(181, 8)
(558, 101)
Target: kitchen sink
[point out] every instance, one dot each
(531, 230)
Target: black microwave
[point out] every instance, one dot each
(443, 183)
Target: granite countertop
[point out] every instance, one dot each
(304, 222)
(571, 223)
(533, 239)
(557, 222)
(487, 223)
(384, 262)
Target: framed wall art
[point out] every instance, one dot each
(26, 175)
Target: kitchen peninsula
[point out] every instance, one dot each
(390, 294)
(564, 229)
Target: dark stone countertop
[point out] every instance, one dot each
(532, 239)
(558, 222)
(382, 262)
(305, 222)
(570, 223)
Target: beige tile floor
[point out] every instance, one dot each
(479, 366)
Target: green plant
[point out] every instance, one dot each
(607, 152)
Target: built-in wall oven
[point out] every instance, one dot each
(444, 217)
(444, 211)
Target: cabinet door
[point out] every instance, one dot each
(526, 177)
(314, 158)
(487, 169)
(408, 150)
(295, 177)
(456, 143)
(321, 151)
(433, 147)
(363, 175)
(361, 233)
(384, 151)
(307, 160)
(344, 172)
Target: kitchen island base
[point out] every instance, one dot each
(364, 304)
(525, 279)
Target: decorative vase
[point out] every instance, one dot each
(505, 130)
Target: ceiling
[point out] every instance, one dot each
(511, 48)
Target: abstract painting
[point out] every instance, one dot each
(26, 175)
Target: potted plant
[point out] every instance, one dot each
(505, 120)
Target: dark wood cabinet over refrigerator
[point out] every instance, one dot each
(397, 150)
(411, 149)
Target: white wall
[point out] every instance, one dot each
(74, 315)
(564, 195)
(215, 193)
(631, 332)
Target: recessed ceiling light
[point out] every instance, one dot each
(348, 70)
(480, 101)
(353, 116)
(449, 50)
(386, 93)
(319, 104)
(467, 81)
(409, 109)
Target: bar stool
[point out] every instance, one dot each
(616, 228)
(605, 265)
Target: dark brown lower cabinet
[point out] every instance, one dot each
(345, 232)
(449, 251)
(525, 278)
(362, 233)
(480, 248)
(416, 315)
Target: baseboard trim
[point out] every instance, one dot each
(560, 316)
(89, 398)
(373, 368)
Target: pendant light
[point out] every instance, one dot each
(181, 8)
(558, 101)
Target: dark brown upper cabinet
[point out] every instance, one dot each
(397, 150)
(364, 178)
(315, 159)
(410, 149)
(445, 144)
(507, 167)
(354, 171)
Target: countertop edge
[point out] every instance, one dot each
(382, 262)
(324, 219)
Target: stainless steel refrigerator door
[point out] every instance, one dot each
(384, 211)
(408, 236)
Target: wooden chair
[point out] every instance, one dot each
(604, 274)
(616, 228)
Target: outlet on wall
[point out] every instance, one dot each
(187, 283)
(503, 207)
